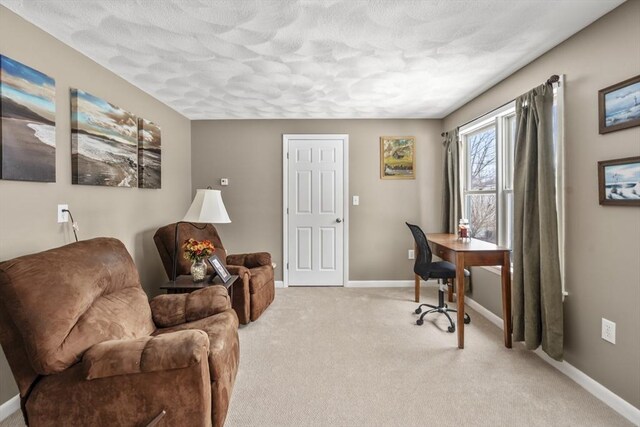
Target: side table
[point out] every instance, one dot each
(184, 284)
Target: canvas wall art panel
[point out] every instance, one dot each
(397, 157)
(619, 106)
(149, 154)
(104, 142)
(619, 181)
(27, 123)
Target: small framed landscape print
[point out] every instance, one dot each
(397, 157)
(619, 106)
(219, 268)
(619, 182)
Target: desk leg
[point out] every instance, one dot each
(506, 300)
(416, 278)
(460, 292)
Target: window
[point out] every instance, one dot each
(488, 154)
(488, 145)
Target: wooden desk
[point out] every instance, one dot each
(474, 253)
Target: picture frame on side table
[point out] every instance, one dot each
(219, 268)
(619, 182)
(619, 106)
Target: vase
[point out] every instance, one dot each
(198, 270)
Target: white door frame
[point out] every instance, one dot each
(285, 197)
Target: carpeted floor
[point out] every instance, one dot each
(354, 357)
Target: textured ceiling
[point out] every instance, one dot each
(312, 58)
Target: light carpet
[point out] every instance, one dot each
(355, 357)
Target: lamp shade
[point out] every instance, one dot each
(207, 207)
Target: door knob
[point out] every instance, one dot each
(338, 220)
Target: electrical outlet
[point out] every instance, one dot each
(608, 330)
(224, 181)
(411, 254)
(63, 216)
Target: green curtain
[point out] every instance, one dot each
(451, 195)
(537, 286)
(451, 188)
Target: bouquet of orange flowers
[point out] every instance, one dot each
(197, 251)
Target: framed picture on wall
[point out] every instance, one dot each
(619, 182)
(104, 142)
(27, 123)
(149, 154)
(619, 106)
(397, 157)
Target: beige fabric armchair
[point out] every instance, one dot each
(87, 348)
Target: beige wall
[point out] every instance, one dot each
(596, 236)
(27, 210)
(249, 153)
(603, 243)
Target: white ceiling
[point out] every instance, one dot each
(229, 59)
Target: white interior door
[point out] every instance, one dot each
(315, 207)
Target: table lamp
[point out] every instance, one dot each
(207, 208)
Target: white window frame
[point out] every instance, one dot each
(559, 138)
(498, 118)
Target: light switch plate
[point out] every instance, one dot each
(356, 200)
(411, 254)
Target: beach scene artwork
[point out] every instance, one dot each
(27, 123)
(149, 154)
(104, 142)
(397, 157)
(622, 182)
(622, 105)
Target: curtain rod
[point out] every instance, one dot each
(550, 81)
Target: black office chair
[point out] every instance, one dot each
(442, 270)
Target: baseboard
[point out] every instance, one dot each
(385, 283)
(614, 401)
(376, 283)
(9, 407)
(611, 399)
(490, 316)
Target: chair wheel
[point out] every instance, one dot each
(418, 310)
(467, 319)
(419, 322)
(451, 329)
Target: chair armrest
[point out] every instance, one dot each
(238, 270)
(264, 272)
(253, 260)
(174, 309)
(174, 350)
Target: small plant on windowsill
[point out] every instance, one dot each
(196, 252)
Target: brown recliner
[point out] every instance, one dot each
(87, 348)
(253, 292)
